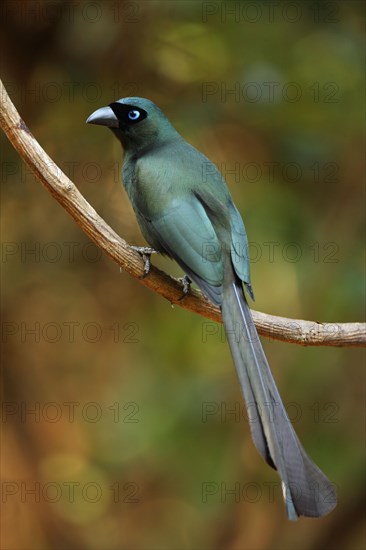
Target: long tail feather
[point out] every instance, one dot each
(307, 491)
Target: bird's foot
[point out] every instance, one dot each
(186, 284)
(145, 252)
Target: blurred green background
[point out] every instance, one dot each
(116, 423)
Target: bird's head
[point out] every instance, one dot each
(137, 122)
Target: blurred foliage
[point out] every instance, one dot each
(120, 443)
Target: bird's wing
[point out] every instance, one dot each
(186, 233)
(239, 248)
(229, 226)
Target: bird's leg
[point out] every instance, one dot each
(186, 283)
(145, 252)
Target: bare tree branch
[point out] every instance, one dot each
(307, 333)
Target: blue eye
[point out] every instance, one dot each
(134, 114)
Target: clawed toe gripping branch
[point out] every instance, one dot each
(186, 286)
(137, 262)
(145, 252)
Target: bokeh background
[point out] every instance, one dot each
(123, 426)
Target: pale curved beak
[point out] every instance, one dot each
(104, 117)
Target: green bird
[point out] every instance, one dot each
(185, 211)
